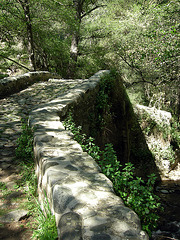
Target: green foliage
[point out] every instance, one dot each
(86, 143)
(28, 178)
(135, 192)
(46, 223)
(175, 133)
(3, 75)
(24, 150)
(103, 99)
(109, 163)
(44, 227)
(139, 195)
(2, 186)
(138, 38)
(169, 134)
(13, 35)
(143, 45)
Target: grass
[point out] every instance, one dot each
(44, 224)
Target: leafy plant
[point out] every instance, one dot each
(103, 99)
(44, 226)
(175, 133)
(24, 150)
(167, 136)
(46, 223)
(86, 143)
(2, 186)
(28, 179)
(135, 192)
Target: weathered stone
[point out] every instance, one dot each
(16, 215)
(71, 168)
(101, 237)
(70, 226)
(157, 142)
(11, 85)
(5, 165)
(61, 198)
(164, 191)
(47, 165)
(55, 178)
(7, 152)
(6, 159)
(159, 116)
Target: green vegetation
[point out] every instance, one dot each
(103, 99)
(164, 133)
(76, 38)
(175, 133)
(2, 186)
(135, 192)
(24, 151)
(44, 225)
(102, 114)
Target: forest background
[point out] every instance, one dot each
(76, 38)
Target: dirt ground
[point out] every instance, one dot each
(13, 198)
(16, 230)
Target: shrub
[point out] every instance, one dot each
(136, 193)
(24, 150)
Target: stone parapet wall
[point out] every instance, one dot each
(14, 84)
(80, 196)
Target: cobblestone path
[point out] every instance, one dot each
(12, 110)
(18, 106)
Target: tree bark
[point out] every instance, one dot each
(78, 6)
(31, 49)
(74, 46)
(178, 106)
(80, 13)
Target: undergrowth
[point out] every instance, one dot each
(136, 193)
(167, 136)
(44, 225)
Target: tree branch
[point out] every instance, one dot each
(85, 14)
(131, 65)
(15, 62)
(133, 83)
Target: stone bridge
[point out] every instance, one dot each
(80, 196)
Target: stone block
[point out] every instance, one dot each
(10, 85)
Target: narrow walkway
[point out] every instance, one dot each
(12, 110)
(18, 106)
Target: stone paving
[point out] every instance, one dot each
(18, 106)
(12, 110)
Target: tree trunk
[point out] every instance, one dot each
(78, 6)
(74, 46)
(178, 106)
(80, 13)
(25, 6)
